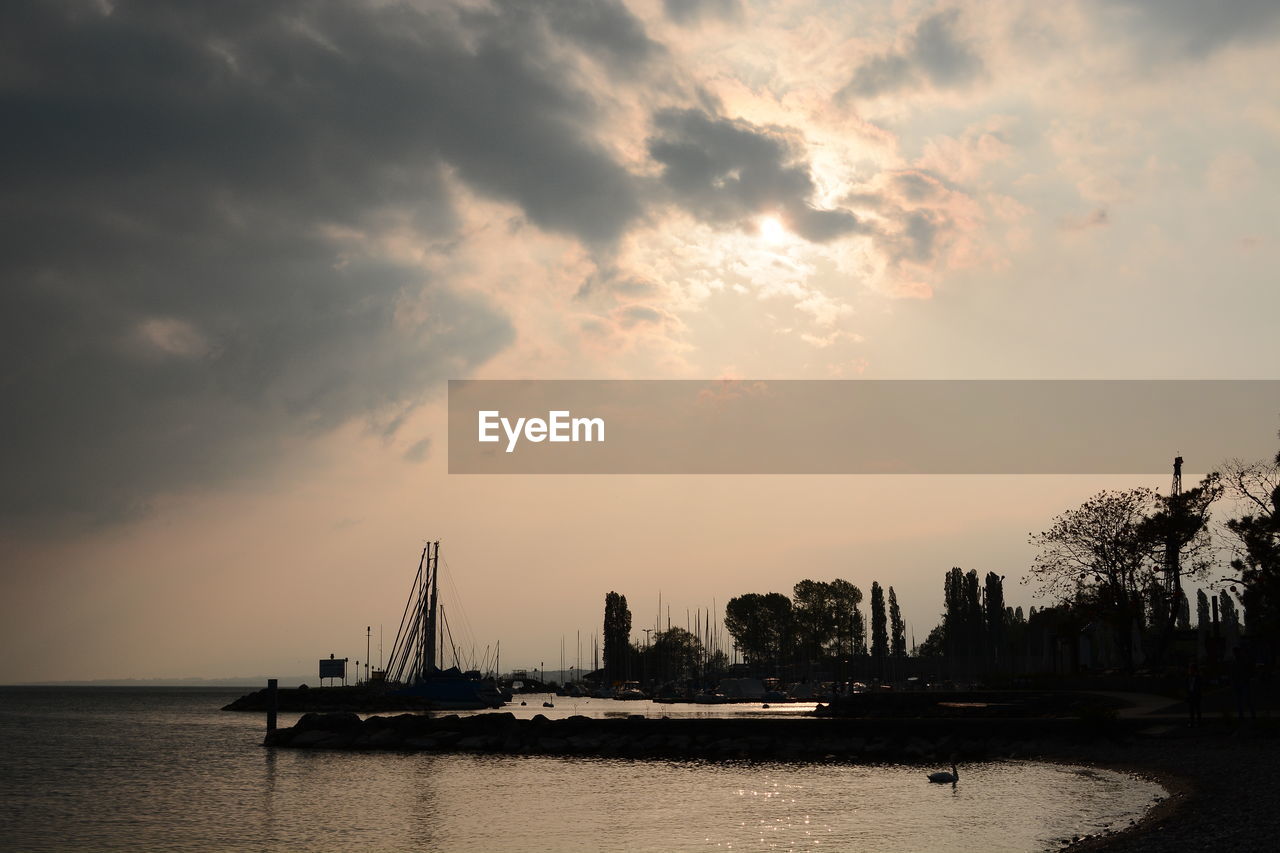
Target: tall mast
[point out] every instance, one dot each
(420, 657)
(430, 606)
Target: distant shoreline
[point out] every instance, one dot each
(238, 683)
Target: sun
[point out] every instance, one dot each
(772, 229)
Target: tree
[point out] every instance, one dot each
(1230, 619)
(953, 612)
(1256, 537)
(1097, 556)
(879, 628)
(1202, 620)
(993, 604)
(1184, 614)
(897, 628)
(761, 626)
(827, 621)
(851, 628)
(1177, 534)
(934, 645)
(673, 655)
(963, 622)
(1015, 626)
(617, 637)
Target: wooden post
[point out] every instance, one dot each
(272, 704)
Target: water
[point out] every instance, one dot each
(147, 769)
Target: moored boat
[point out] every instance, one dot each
(413, 669)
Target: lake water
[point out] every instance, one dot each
(149, 769)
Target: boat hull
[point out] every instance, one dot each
(454, 694)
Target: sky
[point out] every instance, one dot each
(243, 247)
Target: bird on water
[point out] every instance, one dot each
(943, 777)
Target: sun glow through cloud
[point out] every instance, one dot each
(772, 229)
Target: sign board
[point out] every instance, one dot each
(333, 668)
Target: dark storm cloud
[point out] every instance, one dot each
(1194, 28)
(177, 300)
(932, 54)
(604, 27)
(727, 172)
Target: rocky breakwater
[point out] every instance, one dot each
(328, 699)
(640, 737)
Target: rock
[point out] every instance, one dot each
(586, 743)
(384, 739)
(336, 721)
(422, 743)
(311, 738)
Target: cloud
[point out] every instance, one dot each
(621, 285)
(605, 28)
(1096, 218)
(692, 11)
(629, 316)
(727, 172)
(1195, 29)
(919, 234)
(418, 450)
(933, 54)
(192, 279)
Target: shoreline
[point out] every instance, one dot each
(1179, 790)
(1222, 792)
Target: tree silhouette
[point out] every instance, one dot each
(1096, 556)
(617, 637)
(1257, 538)
(879, 629)
(761, 625)
(897, 628)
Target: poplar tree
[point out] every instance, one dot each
(617, 636)
(879, 628)
(897, 628)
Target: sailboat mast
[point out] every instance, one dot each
(430, 606)
(420, 661)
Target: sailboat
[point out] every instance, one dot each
(413, 669)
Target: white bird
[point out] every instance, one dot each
(943, 777)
